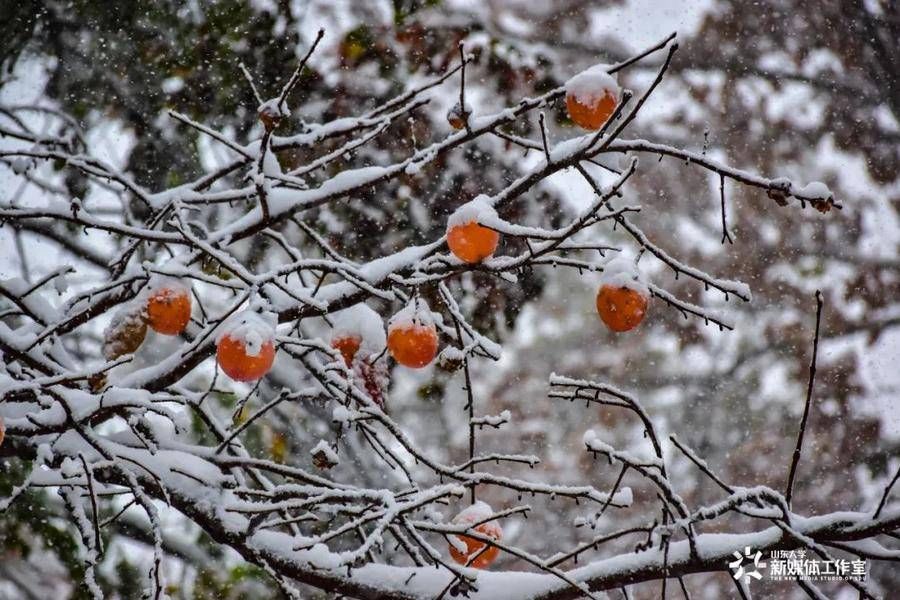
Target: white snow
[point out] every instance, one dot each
(451, 354)
(21, 165)
(252, 328)
(37, 303)
(340, 414)
(129, 316)
(160, 282)
(472, 211)
(624, 496)
(172, 85)
(622, 272)
(416, 313)
(815, 189)
(360, 321)
(590, 438)
(493, 420)
(479, 511)
(325, 448)
(61, 283)
(273, 108)
(592, 84)
(457, 109)
(593, 443)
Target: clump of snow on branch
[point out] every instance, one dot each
(324, 454)
(816, 189)
(504, 417)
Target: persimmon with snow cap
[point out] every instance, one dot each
(358, 332)
(468, 240)
(245, 350)
(465, 548)
(457, 116)
(271, 113)
(591, 97)
(168, 306)
(623, 297)
(412, 337)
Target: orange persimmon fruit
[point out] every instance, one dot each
(239, 364)
(476, 550)
(471, 242)
(467, 238)
(169, 310)
(270, 115)
(457, 117)
(593, 114)
(473, 547)
(348, 346)
(412, 344)
(620, 307)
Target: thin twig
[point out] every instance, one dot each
(95, 514)
(887, 492)
(809, 388)
(462, 88)
(249, 79)
(726, 235)
(295, 77)
(544, 143)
